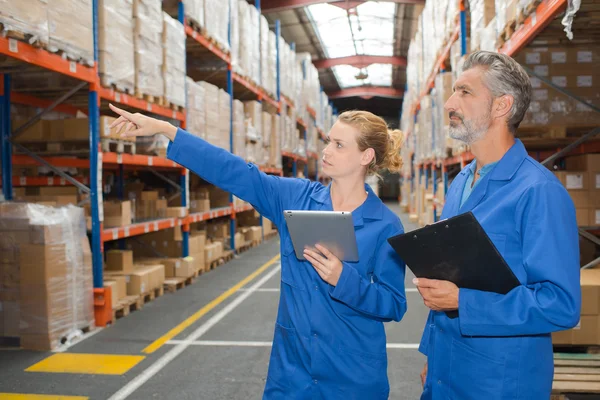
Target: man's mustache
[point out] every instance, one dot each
(457, 115)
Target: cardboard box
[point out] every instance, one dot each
(583, 216)
(574, 180)
(120, 286)
(58, 191)
(240, 240)
(588, 162)
(138, 282)
(38, 132)
(117, 213)
(200, 205)
(76, 129)
(179, 267)
(42, 264)
(46, 234)
(156, 275)
(176, 212)
(581, 198)
(197, 242)
(149, 195)
(590, 291)
(119, 260)
(114, 291)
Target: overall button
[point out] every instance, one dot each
(315, 381)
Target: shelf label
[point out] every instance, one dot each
(597, 217)
(118, 97)
(174, 114)
(50, 181)
(119, 158)
(73, 67)
(148, 107)
(126, 231)
(560, 81)
(115, 234)
(63, 181)
(574, 181)
(584, 56)
(150, 160)
(22, 180)
(584, 81)
(156, 226)
(13, 46)
(172, 222)
(194, 34)
(146, 228)
(532, 58)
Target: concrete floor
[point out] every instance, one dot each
(233, 368)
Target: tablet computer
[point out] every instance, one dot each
(332, 229)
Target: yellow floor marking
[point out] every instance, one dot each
(73, 363)
(158, 343)
(19, 396)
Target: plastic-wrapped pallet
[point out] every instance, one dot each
(46, 288)
(245, 44)
(264, 53)
(286, 137)
(300, 146)
(239, 130)
(311, 139)
(196, 108)
(194, 11)
(26, 16)
(147, 35)
(174, 60)
(211, 93)
(275, 148)
(70, 29)
(482, 12)
(253, 45)
(425, 131)
(253, 113)
(217, 21)
(115, 44)
(234, 34)
(272, 63)
(267, 128)
(224, 120)
(489, 37)
(441, 121)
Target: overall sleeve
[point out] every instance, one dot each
(551, 298)
(384, 298)
(270, 195)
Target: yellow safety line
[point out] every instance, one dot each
(158, 343)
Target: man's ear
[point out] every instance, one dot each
(503, 105)
(367, 156)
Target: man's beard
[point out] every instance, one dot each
(469, 131)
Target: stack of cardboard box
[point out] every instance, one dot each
(46, 291)
(239, 129)
(212, 108)
(173, 42)
(196, 108)
(587, 332)
(148, 48)
(117, 213)
(582, 180)
(139, 278)
(482, 13)
(115, 44)
(70, 29)
(27, 16)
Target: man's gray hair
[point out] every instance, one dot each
(504, 76)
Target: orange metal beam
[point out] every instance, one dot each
(139, 229)
(546, 11)
(46, 181)
(311, 112)
(140, 104)
(42, 58)
(302, 123)
(138, 160)
(20, 98)
(368, 91)
(56, 161)
(206, 43)
(360, 61)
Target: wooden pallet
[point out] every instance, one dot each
(26, 37)
(125, 306)
(227, 256)
(553, 132)
(122, 87)
(147, 97)
(527, 11)
(70, 55)
(508, 30)
(117, 146)
(163, 102)
(196, 26)
(575, 373)
(151, 295)
(171, 285)
(247, 246)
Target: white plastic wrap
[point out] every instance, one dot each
(501, 14)
(567, 21)
(196, 113)
(115, 44)
(148, 19)
(70, 29)
(311, 139)
(212, 106)
(264, 52)
(489, 37)
(173, 60)
(253, 44)
(224, 120)
(235, 34)
(275, 148)
(239, 129)
(482, 12)
(245, 44)
(46, 289)
(217, 21)
(271, 85)
(253, 114)
(194, 10)
(26, 16)
(267, 128)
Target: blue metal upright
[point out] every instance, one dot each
(433, 178)
(95, 166)
(445, 178)
(463, 28)
(230, 91)
(121, 195)
(6, 146)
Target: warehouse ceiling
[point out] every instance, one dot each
(359, 47)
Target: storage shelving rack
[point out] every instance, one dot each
(544, 14)
(89, 97)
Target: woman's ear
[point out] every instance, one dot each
(367, 157)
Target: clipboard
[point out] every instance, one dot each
(456, 250)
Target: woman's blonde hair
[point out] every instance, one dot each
(374, 134)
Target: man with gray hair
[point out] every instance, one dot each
(499, 346)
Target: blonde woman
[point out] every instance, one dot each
(329, 339)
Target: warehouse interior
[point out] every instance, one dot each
(125, 275)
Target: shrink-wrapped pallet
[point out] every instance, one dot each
(29, 17)
(196, 108)
(147, 34)
(70, 29)
(173, 61)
